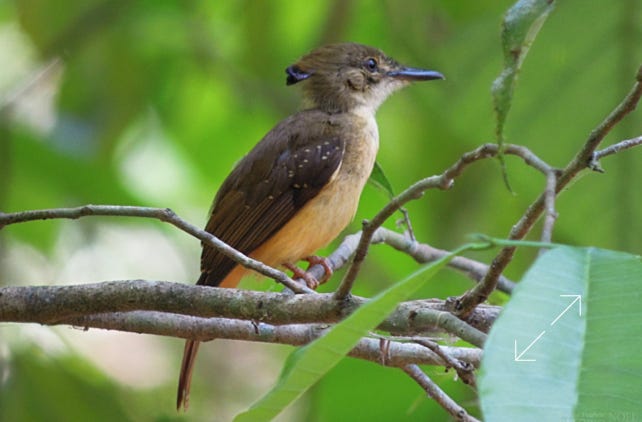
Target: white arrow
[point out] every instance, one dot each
(518, 358)
(577, 298)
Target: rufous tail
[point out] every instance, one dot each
(185, 378)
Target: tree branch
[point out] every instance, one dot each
(420, 252)
(205, 329)
(437, 394)
(443, 181)
(464, 369)
(582, 160)
(424, 253)
(165, 215)
(66, 304)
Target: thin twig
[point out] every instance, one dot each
(369, 227)
(442, 181)
(165, 215)
(549, 206)
(582, 160)
(437, 394)
(424, 253)
(464, 370)
(613, 149)
(406, 221)
(627, 105)
(420, 252)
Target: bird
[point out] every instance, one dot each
(299, 187)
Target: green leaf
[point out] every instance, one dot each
(307, 365)
(521, 24)
(379, 180)
(545, 361)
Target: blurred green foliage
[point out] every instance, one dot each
(80, 390)
(156, 100)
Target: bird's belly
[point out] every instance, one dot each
(315, 225)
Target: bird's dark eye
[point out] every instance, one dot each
(371, 65)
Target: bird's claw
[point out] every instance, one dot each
(324, 262)
(309, 279)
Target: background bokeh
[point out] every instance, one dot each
(152, 102)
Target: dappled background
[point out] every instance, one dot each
(152, 102)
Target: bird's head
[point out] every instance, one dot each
(341, 77)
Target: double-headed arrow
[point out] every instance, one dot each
(518, 357)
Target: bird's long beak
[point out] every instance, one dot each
(414, 74)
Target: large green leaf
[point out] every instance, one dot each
(307, 365)
(544, 361)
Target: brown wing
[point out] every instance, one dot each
(290, 166)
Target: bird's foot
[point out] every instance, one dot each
(310, 280)
(297, 272)
(324, 262)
